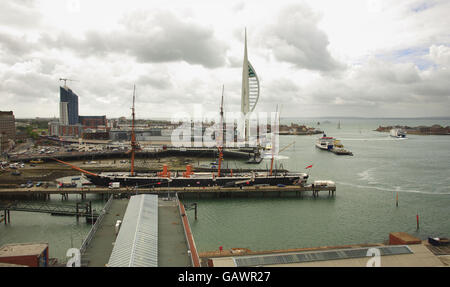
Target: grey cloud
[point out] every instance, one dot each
(401, 73)
(163, 37)
(238, 6)
(151, 38)
(440, 55)
(234, 62)
(93, 44)
(378, 86)
(281, 91)
(295, 39)
(14, 45)
(158, 81)
(20, 13)
(32, 86)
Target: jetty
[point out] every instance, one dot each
(420, 130)
(80, 209)
(183, 192)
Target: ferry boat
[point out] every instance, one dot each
(325, 143)
(338, 144)
(398, 133)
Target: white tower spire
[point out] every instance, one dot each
(250, 89)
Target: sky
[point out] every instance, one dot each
(350, 58)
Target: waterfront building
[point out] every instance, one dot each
(4, 144)
(7, 124)
(95, 135)
(55, 128)
(93, 122)
(68, 124)
(112, 124)
(68, 109)
(147, 134)
(25, 254)
(63, 113)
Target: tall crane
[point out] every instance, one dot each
(65, 81)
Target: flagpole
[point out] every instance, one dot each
(309, 167)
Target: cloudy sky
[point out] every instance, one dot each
(374, 58)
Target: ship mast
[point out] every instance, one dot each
(221, 135)
(273, 146)
(133, 136)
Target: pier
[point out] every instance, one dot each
(169, 243)
(80, 209)
(183, 192)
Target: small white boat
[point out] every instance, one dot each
(398, 133)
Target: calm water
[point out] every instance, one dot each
(363, 211)
(61, 232)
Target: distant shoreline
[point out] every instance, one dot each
(420, 130)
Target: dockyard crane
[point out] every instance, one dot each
(65, 81)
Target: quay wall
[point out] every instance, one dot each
(209, 153)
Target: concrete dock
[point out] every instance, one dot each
(172, 250)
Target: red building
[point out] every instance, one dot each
(56, 129)
(93, 122)
(26, 254)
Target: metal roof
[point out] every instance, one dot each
(137, 242)
(22, 249)
(317, 256)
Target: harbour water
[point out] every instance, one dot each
(363, 210)
(60, 232)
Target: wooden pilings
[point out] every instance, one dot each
(7, 216)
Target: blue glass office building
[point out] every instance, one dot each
(69, 97)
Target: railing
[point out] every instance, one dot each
(195, 260)
(46, 207)
(94, 228)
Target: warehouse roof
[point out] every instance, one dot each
(137, 242)
(22, 249)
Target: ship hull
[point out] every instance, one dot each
(155, 181)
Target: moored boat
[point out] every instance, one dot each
(397, 133)
(199, 179)
(439, 241)
(341, 151)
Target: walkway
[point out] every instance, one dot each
(172, 246)
(99, 250)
